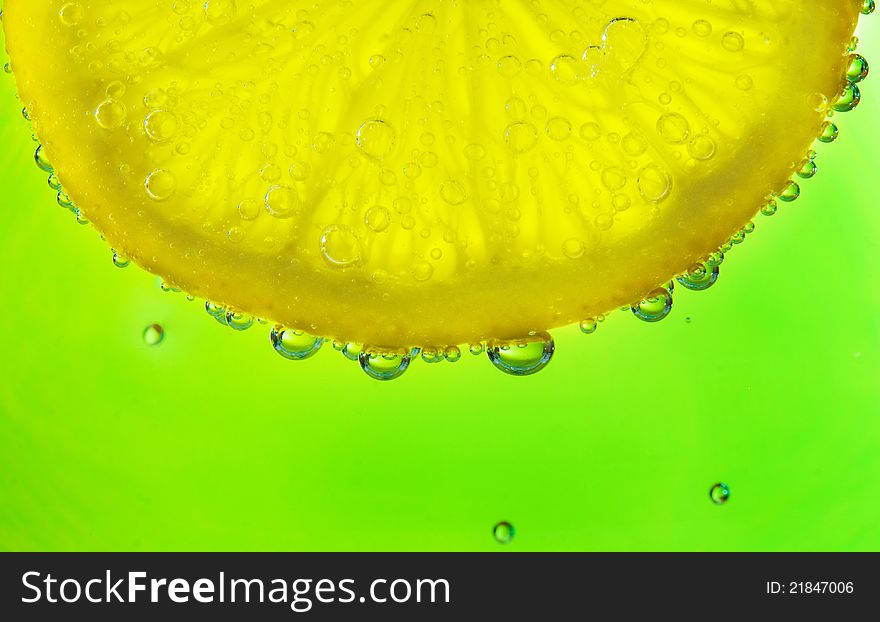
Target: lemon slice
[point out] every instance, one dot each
(427, 172)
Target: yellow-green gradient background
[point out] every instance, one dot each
(211, 441)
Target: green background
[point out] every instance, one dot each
(210, 441)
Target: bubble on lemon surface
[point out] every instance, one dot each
(719, 493)
(294, 345)
(625, 41)
(655, 307)
(377, 218)
(220, 12)
(384, 366)
(340, 246)
(376, 138)
(282, 201)
(654, 183)
(673, 127)
(71, 14)
(521, 137)
(503, 532)
(239, 321)
(522, 358)
(160, 126)
(700, 277)
(160, 184)
(110, 114)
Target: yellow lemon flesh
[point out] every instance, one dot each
(403, 173)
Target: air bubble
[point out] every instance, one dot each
(282, 201)
(655, 307)
(829, 132)
(732, 42)
(503, 532)
(294, 345)
(160, 126)
(857, 70)
(160, 184)
(522, 358)
(388, 366)
(42, 161)
(673, 127)
(848, 99)
(72, 14)
(377, 218)
(699, 277)
(219, 12)
(154, 334)
(340, 246)
(239, 321)
(376, 138)
(521, 137)
(654, 183)
(110, 114)
(719, 493)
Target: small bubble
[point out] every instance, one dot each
(590, 131)
(119, 261)
(521, 137)
(522, 358)
(791, 192)
(503, 532)
(294, 345)
(160, 184)
(558, 128)
(744, 82)
(453, 192)
(110, 114)
(452, 354)
(377, 218)
(624, 42)
(770, 208)
(700, 277)
(589, 326)
(160, 126)
(573, 248)
(702, 28)
(848, 98)
(564, 69)
(376, 138)
(857, 70)
(829, 132)
(509, 66)
(389, 366)
(340, 246)
(71, 14)
(654, 183)
(42, 162)
(673, 127)
(282, 201)
(701, 148)
(613, 178)
(732, 42)
(655, 307)
(219, 12)
(239, 321)
(154, 334)
(808, 169)
(719, 493)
